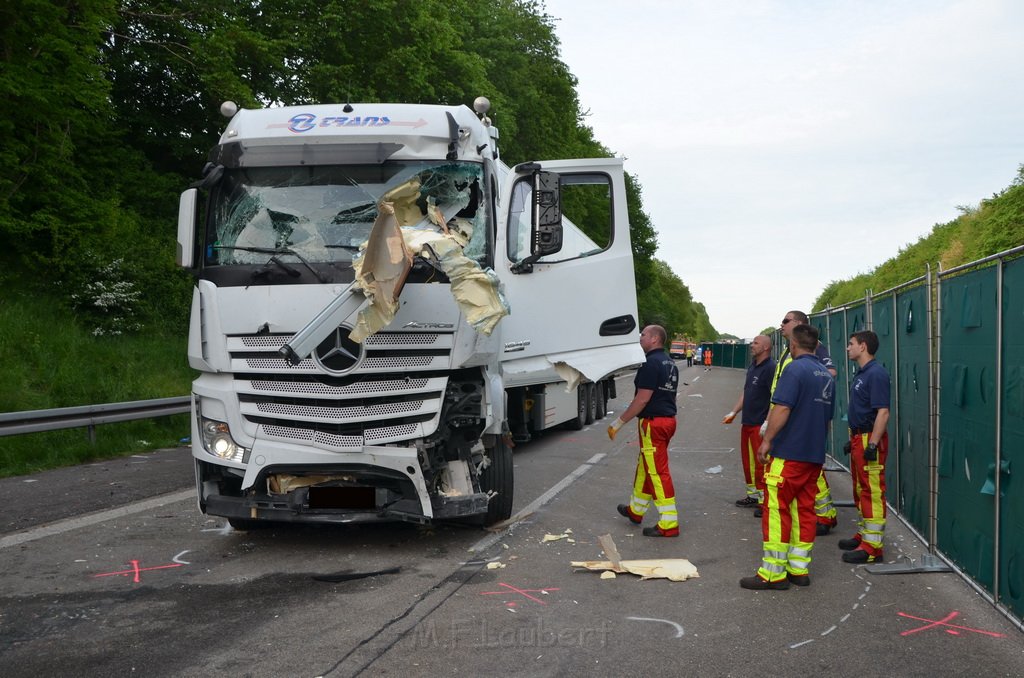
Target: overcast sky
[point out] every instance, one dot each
(783, 144)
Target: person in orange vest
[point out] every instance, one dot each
(707, 358)
(798, 425)
(868, 415)
(654, 404)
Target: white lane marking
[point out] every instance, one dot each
(70, 524)
(678, 627)
(177, 558)
(565, 482)
(867, 589)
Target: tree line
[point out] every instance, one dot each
(111, 106)
(994, 225)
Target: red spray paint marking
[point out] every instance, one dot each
(934, 624)
(524, 592)
(136, 570)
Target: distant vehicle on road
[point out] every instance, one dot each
(677, 350)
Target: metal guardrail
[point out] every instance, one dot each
(35, 421)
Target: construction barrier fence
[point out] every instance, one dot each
(953, 344)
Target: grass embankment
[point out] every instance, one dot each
(51, 361)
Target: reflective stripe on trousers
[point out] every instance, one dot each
(652, 479)
(753, 469)
(823, 507)
(869, 490)
(788, 524)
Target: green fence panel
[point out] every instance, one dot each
(740, 357)
(882, 324)
(910, 387)
(837, 349)
(1011, 500)
(729, 355)
(966, 515)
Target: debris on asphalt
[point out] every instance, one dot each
(673, 569)
(554, 537)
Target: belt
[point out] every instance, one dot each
(860, 431)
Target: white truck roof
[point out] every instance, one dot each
(423, 130)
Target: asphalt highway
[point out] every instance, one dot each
(110, 569)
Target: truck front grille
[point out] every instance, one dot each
(394, 394)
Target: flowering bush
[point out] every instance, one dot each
(108, 302)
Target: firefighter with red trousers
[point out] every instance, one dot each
(655, 404)
(796, 435)
(868, 415)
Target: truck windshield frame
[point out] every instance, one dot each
(322, 214)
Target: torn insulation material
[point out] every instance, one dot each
(439, 237)
(381, 272)
(673, 569)
(554, 537)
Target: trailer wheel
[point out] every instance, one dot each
(498, 477)
(580, 421)
(602, 401)
(591, 403)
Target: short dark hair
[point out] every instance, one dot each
(800, 317)
(867, 337)
(806, 336)
(659, 332)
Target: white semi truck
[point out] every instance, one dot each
(383, 308)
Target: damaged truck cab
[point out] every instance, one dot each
(383, 308)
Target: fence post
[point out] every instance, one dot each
(999, 425)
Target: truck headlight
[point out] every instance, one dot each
(218, 441)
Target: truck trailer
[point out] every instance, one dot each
(383, 309)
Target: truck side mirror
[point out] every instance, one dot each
(187, 228)
(547, 214)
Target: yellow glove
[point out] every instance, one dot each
(614, 427)
(727, 419)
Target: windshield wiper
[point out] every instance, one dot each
(265, 269)
(274, 251)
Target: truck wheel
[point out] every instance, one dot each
(591, 403)
(602, 401)
(498, 477)
(580, 421)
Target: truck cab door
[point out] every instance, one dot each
(571, 288)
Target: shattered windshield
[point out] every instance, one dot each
(323, 214)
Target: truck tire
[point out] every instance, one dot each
(498, 477)
(602, 401)
(580, 420)
(591, 403)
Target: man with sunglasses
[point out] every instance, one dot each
(823, 506)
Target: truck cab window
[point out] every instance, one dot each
(586, 218)
(325, 213)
